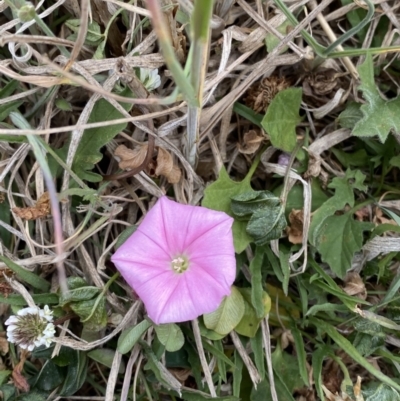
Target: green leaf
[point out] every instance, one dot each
(28, 277)
(34, 395)
(287, 367)
(220, 363)
(76, 373)
(272, 41)
(5, 110)
(379, 392)
(250, 322)
(355, 17)
(50, 376)
(217, 353)
(391, 214)
(350, 350)
(92, 313)
(189, 394)
(93, 35)
(366, 344)
(295, 198)
(267, 225)
(4, 374)
(282, 117)
(9, 89)
(257, 347)
(237, 374)
(160, 371)
(317, 361)
(218, 196)
(247, 203)
(210, 334)
(93, 139)
(248, 113)
(87, 194)
(344, 195)
(256, 283)
(131, 336)
(105, 356)
(267, 218)
(228, 314)
(63, 104)
(8, 392)
(326, 307)
(380, 116)
(263, 391)
(13, 138)
(340, 238)
(85, 293)
(360, 158)
(18, 300)
(99, 53)
(171, 336)
(329, 286)
(301, 353)
(125, 235)
(350, 116)
(395, 161)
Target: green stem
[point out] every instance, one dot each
(49, 32)
(161, 30)
(255, 164)
(322, 51)
(361, 205)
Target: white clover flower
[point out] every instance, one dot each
(31, 327)
(150, 78)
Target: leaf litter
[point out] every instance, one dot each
(92, 84)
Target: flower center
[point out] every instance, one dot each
(179, 264)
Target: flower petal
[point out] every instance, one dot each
(142, 249)
(181, 297)
(184, 224)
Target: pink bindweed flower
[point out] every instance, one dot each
(180, 261)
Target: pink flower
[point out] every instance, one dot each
(180, 261)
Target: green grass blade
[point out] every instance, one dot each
(321, 50)
(349, 348)
(172, 62)
(28, 277)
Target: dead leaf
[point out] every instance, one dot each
(332, 376)
(166, 167)
(354, 285)
(295, 230)
(357, 389)
(181, 374)
(381, 219)
(260, 95)
(41, 209)
(176, 35)
(130, 158)
(363, 214)
(162, 165)
(4, 346)
(5, 287)
(252, 141)
(321, 82)
(20, 381)
(314, 165)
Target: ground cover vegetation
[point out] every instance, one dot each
(199, 200)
